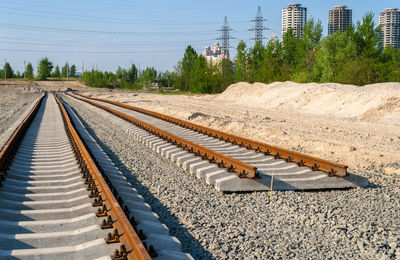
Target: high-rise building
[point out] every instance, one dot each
(389, 20)
(340, 19)
(294, 16)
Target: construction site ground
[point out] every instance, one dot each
(356, 126)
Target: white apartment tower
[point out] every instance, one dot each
(389, 20)
(294, 16)
(340, 19)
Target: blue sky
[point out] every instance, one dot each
(107, 34)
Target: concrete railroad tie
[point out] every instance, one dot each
(287, 175)
(45, 211)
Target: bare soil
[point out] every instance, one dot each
(356, 126)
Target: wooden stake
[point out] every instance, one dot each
(272, 184)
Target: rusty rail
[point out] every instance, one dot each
(333, 169)
(243, 169)
(124, 233)
(10, 148)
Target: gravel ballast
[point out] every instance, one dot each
(338, 224)
(11, 108)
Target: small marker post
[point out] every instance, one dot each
(272, 184)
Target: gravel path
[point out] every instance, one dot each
(11, 107)
(338, 224)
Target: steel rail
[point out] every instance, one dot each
(123, 230)
(243, 169)
(9, 149)
(316, 164)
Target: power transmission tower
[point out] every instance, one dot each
(258, 27)
(225, 37)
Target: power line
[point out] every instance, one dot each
(90, 52)
(97, 19)
(97, 44)
(31, 27)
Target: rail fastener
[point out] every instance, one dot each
(244, 170)
(123, 232)
(316, 164)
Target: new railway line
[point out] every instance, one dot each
(229, 162)
(48, 212)
(61, 197)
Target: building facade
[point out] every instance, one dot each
(340, 19)
(389, 21)
(294, 16)
(215, 53)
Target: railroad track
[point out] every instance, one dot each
(61, 197)
(231, 163)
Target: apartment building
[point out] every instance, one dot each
(294, 16)
(389, 20)
(340, 19)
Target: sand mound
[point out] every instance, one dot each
(368, 102)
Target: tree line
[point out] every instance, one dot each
(124, 78)
(356, 56)
(45, 70)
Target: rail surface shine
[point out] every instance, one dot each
(45, 211)
(282, 173)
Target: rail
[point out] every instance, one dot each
(133, 247)
(316, 164)
(243, 169)
(9, 149)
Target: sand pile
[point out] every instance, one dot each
(371, 102)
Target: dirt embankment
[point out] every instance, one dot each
(357, 126)
(22, 87)
(377, 102)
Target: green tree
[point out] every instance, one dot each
(44, 69)
(188, 61)
(149, 75)
(8, 71)
(312, 34)
(227, 75)
(291, 49)
(308, 47)
(65, 70)
(256, 61)
(336, 53)
(118, 73)
(198, 78)
(99, 79)
(133, 73)
(368, 37)
(72, 71)
(274, 66)
(29, 71)
(56, 73)
(241, 65)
